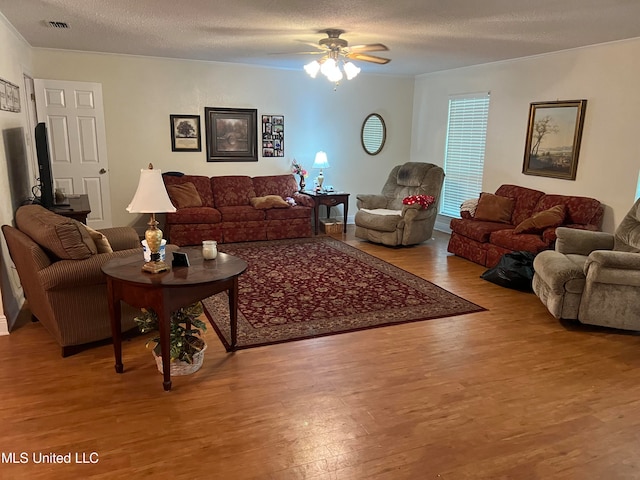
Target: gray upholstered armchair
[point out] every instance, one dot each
(383, 218)
(593, 277)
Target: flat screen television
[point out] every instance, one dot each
(17, 166)
(45, 177)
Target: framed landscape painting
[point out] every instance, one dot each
(231, 134)
(185, 133)
(553, 138)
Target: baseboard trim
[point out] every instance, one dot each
(442, 224)
(4, 325)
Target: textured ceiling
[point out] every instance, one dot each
(422, 35)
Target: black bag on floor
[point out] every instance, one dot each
(514, 270)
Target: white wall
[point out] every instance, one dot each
(606, 75)
(141, 92)
(15, 59)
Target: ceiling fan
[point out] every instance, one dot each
(336, 50)
(334, 44)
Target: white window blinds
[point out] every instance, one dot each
(464, 154)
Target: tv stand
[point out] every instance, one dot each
(78, 208)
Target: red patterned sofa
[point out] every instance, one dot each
(222, 209)
(485, 242)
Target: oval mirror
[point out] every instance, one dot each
(374, 134)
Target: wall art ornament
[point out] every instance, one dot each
(273, 135)
(9, 96)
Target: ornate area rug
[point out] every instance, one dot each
(303, 288)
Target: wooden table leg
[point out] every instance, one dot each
(344, 225)
(115, 314)
(233, 314)
(316, 217)
(164, 325)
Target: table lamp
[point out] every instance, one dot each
(320, 162)
(151, 197)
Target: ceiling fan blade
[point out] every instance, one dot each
(311, 44)
(372, 47)
(297, 53)
(368, 58)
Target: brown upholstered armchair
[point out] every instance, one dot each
(593, 277)
(384, 219)
(60, 271)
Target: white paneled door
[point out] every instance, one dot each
(74, 116)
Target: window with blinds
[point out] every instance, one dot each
(464, 153)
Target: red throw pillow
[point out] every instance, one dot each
(494, 208)
(553, 217)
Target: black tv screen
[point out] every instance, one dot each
(17, 165)
(44, 166)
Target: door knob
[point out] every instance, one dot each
(102, 171)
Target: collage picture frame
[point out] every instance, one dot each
(273, 135)
(9, 96)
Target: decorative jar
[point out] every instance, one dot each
(209, 249)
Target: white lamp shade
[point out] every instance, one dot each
(321, 160)
(312, 68)
(151, 195)
(335, 75)
(351, 70)
(328, 66)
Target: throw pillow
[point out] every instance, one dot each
(469, 207)
(102, 243)
(494, 208)
(184, 195)
(63, 237)
(268, 201)
(553, 217)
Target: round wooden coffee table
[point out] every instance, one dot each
(165, 292)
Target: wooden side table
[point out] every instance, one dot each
(330, 199)
(168, 291)
(78, 208)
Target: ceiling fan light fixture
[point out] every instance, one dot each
(335, 75)
(335, 63)
(328, 66)
(312, 68)
(351, 70)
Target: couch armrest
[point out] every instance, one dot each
(612, 267)
(614, 259)
(414, 212)
(582, 242)
(121, 238)
(371, 201)
(303, 199)
(77, 273)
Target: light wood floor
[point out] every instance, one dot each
(509, 393)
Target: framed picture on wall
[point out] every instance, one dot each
(553, 138)
(273, 135)
(9, 96)
(231, 134)
(185, 133)
(3, 95)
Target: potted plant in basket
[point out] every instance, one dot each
(186, 348)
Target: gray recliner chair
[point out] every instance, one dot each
(593, 277)
(383, 218)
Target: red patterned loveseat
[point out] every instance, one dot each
(485, 242)
(222, 208)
